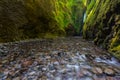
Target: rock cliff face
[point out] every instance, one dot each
(25, 19)
(12, 16)
(103, 25)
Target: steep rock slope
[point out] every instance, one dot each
(103, 25)
(24, 19)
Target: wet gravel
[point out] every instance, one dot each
(57, 59)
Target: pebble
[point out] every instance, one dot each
(48, 57)
(4, 61)
(26, 63)
(58, 78)
(56, 62)
(17, 78)
(84, 49)
(86, 78)
(51, 67)
(109, 71)
(82, 57)
(110, 78)
(18, 66)
(97, 70)
(44, 69)
(102, 78)
(32, 73)
(86, 72)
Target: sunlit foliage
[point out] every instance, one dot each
(102, 24)
(26, 19)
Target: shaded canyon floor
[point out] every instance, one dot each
(57, 59)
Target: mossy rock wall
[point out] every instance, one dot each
(26, 19)
(103, 25)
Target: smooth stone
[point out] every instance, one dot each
(18, 66)
(44, 78)
(2, 75)
(99, 78)
(36, 68)
(110, 78)
(32, 73)
(4, 61)
(49, 75)
(57, 78)
(97, 70)
(86, 66)
(95, 77)
(26, 63)
(17, 78)
(6, 72)
(87, 73)
(24, 78)
(52, 71)
(62, 71)
(86, 78)
(56, 63)
(70, 79)
(44, 69)
(48, 57)
(109, 71)
(84, 49)
(82, 57)
(84, 72)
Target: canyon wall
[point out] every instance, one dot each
(103, 25)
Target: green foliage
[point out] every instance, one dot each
(78, 11)
(63, 12)
(102, 24)
(25, 19)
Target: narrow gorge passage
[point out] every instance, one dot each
(57, 59)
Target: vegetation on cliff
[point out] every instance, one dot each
(103, 25)
(26, 19)
(98, 20)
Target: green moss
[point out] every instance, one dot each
(116, 51)
(102, 25)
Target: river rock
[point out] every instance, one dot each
(109, 71)
(58, 78)
(74, 64)
(4, 61)
(86, 78)
(16, 78)
(110, 78)
(26, 63)
(32, 73)
(97, 78)
(18, 66)
(97, 70)
(84, 72)
(56, 63)
(51, 67)
(44, 69)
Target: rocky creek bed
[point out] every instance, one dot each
(57, 59)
